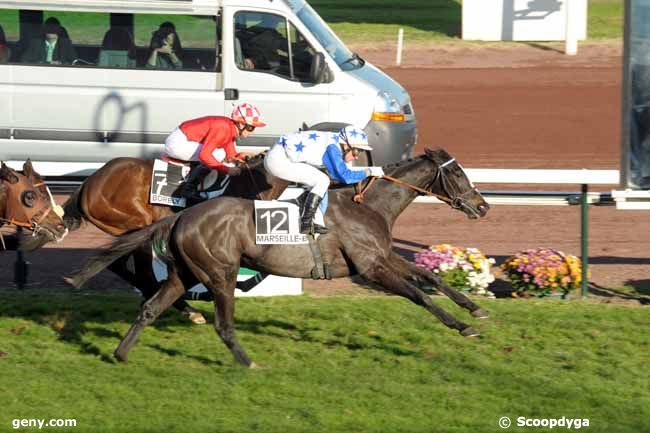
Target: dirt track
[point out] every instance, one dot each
(526, 107)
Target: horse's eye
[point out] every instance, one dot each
(28, 198)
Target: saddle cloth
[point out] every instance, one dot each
(166, 179)
(278, 223)
(169, 174)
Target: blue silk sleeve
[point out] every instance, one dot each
(333, 161)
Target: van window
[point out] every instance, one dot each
(8, 34)
(82, 39)
(302, 54)
(177, 42)
(262, 45)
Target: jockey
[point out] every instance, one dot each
(211, 140)
(295, 157)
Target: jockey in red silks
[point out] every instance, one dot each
(211, 140)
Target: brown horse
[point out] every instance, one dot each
(26, 202)
(211, 240)
(116, 200)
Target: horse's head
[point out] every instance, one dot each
(451, 182)
(29, 204)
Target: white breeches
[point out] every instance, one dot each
(279, 165)
(178, 146)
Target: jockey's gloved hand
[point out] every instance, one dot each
(375, 171)
(233, 171)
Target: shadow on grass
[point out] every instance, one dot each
(435, 16)
(77, 316)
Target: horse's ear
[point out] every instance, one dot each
(6, 173)
(28, 169)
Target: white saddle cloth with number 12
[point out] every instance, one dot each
(278, 222)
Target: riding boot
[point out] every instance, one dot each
(191, 185)
(310, 206)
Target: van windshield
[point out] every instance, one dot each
(343, 57)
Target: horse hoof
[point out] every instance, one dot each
(480, 314)
(469, 332)
(121, 358)
(254, 366)
(72, 282)
(197, 319)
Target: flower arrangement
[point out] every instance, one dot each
(543, 271)
(462, 268)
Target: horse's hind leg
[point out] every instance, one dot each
(170, 291)
(390, 278)
(144, 279)
(410, 270)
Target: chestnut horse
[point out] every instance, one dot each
(26, 202)
(211, 240)
(116, 200)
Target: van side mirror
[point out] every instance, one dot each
(319, 72)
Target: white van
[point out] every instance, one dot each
(106, 90)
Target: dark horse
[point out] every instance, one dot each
(26, 202)
(211, 240)
(116, 200)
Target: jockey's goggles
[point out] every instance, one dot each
(353, 150)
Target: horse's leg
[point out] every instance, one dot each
(171, 290)
(410, 270)
(148, 284)
(388, 277)
(143, 278)
(223, 290)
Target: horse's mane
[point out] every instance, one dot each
(254, 162)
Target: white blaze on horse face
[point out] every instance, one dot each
(58, 210)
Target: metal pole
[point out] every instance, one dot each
(400, 43)
(584, 206)
(20, 267)
(571, 33)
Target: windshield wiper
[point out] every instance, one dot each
(353, 57)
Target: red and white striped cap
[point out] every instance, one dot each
(247, 114)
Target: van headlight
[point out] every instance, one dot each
(387, 108)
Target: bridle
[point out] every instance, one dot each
(456, 201)
(33, 223)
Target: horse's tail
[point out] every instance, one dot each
(159, 232)
(73, 215)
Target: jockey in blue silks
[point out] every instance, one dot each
(296, 155)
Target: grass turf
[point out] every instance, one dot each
(376, 364)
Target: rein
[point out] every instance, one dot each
(358, 198)
(250, 174)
